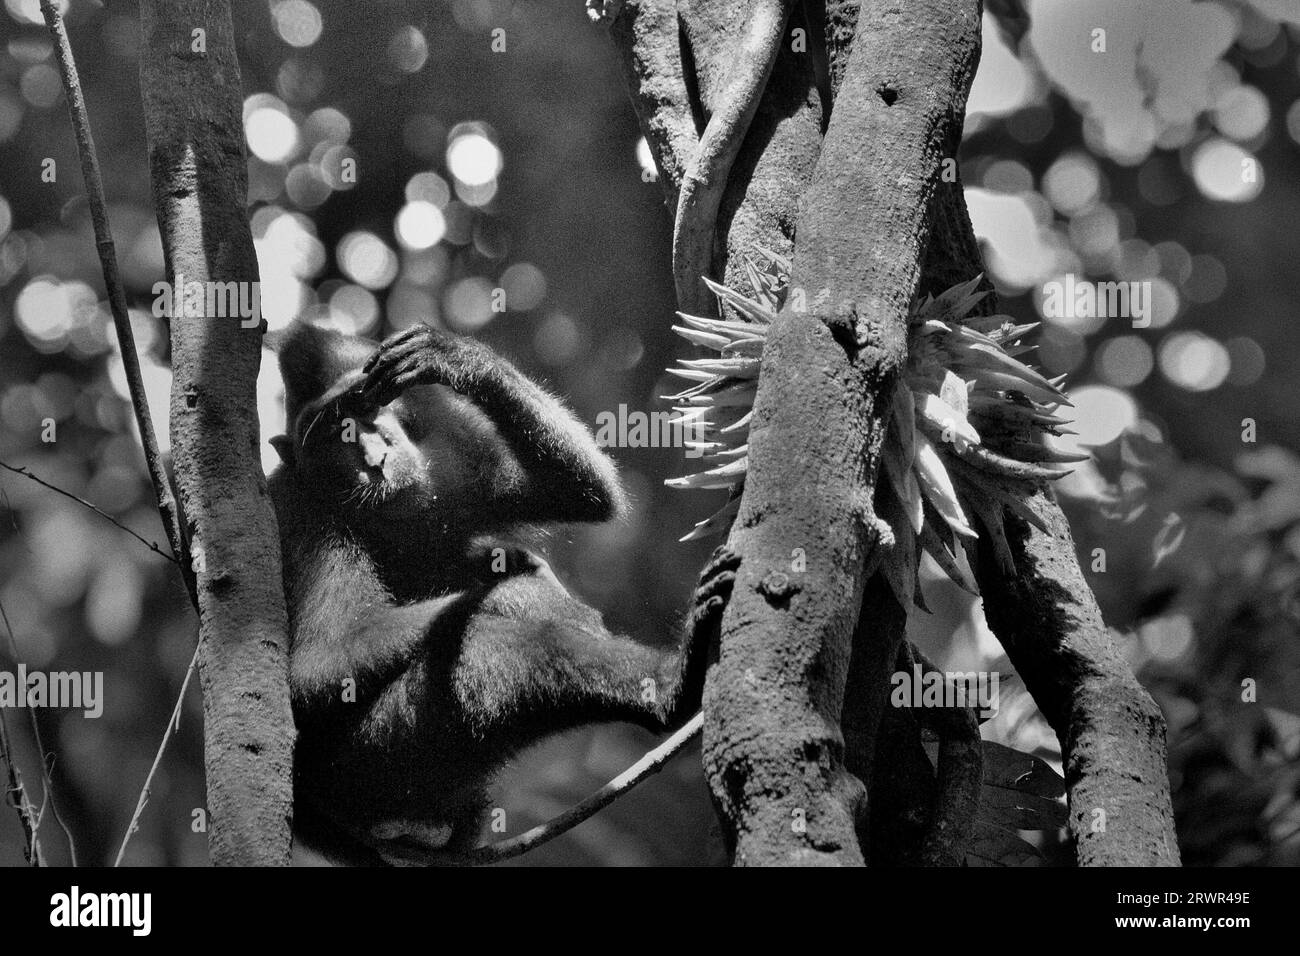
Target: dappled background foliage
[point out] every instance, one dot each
(408, 160)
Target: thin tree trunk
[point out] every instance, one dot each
(190, 82)
(1112, 733)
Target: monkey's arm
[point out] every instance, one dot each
(534, 660)
(563, 475)
(347, 627)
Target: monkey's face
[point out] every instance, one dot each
(408, 459)
(359, 456)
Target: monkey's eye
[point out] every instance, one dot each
(412, 426)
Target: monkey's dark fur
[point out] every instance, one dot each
(428, 642)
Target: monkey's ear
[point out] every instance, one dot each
(312, 360)
(283, 446)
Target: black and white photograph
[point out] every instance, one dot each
(651, 433)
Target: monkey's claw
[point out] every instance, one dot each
(717, 581)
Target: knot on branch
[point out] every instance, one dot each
(777, 587)
(843, 325)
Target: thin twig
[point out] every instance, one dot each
(167, 504)
(116, 293)
(649, 764)
(172, 726)
(189, 673)
(151, 545)
(706, 180)
(47, 779)
(16, 795)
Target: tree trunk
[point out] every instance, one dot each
(193, 105)
(773, 746)
(1112, 733)
(795, 705)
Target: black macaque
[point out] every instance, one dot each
(429, 641)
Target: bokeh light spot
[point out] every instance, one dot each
(1072, 183)
(525, 286)
(297, 22)
(367, 260)
(1194, 361)
(472, 157)
(1101, 414)
(1124, 361)
(557, 339)
(1224, 171)
(420, 225)
(272, 134)
(1247, 359)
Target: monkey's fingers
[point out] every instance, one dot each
(722, 557)
(396, 341)
(716, 588)
(394, 370)
(719, 574)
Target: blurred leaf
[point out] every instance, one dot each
(992, 845)
(1011, 769)
(1170, 537)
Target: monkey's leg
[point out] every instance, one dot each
(349, 638)
(532, 661)
(536, 659)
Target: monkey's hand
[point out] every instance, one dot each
(712, 593)
(710, 599)
(422, 355)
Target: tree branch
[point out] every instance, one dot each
(189, 78)
(877, 735)
(1112, 733)
(645, 34)
(651, 762)
(1047, 619)
(951, 821)
(772, 744)
(16, 797)
(116, 293)
(695, 228)
(173, 725)
(47, 778)
(676, 60)
(151, 545)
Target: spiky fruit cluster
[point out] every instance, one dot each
(966, 428)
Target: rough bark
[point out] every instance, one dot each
(1046, 617)
(705, 182)
(696, 42)
(960, 774)
(675, 60)
(193, 117)
(676, 56)
(891, 822)
(773, 748)
(1112, 733)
